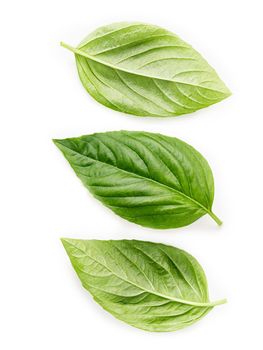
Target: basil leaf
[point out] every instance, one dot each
(145, 70)
(149, 179)
(150, 286)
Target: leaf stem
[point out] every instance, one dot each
(218, 302)
(214, 217)
(66, 46)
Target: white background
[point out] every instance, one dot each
(43, 305)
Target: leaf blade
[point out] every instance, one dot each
(129, 58)
(148, 299)
(149, 179)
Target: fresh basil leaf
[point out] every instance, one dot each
(150, 286)
(145, 70)
(149, 179)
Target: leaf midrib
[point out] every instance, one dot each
(95, 59)
(182, 301)
(141, 177)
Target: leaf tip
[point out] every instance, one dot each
(228, 92)
(67, 243)
(57, 142)
(63, 240)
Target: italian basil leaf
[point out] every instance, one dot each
(149, 179)
(145, 70)
(150, 286)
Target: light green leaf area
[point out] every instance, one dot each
(150, 286)
(149, 179)
(145, 70)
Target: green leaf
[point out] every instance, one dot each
(149, 179)
(145, 70)
(150, 286)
